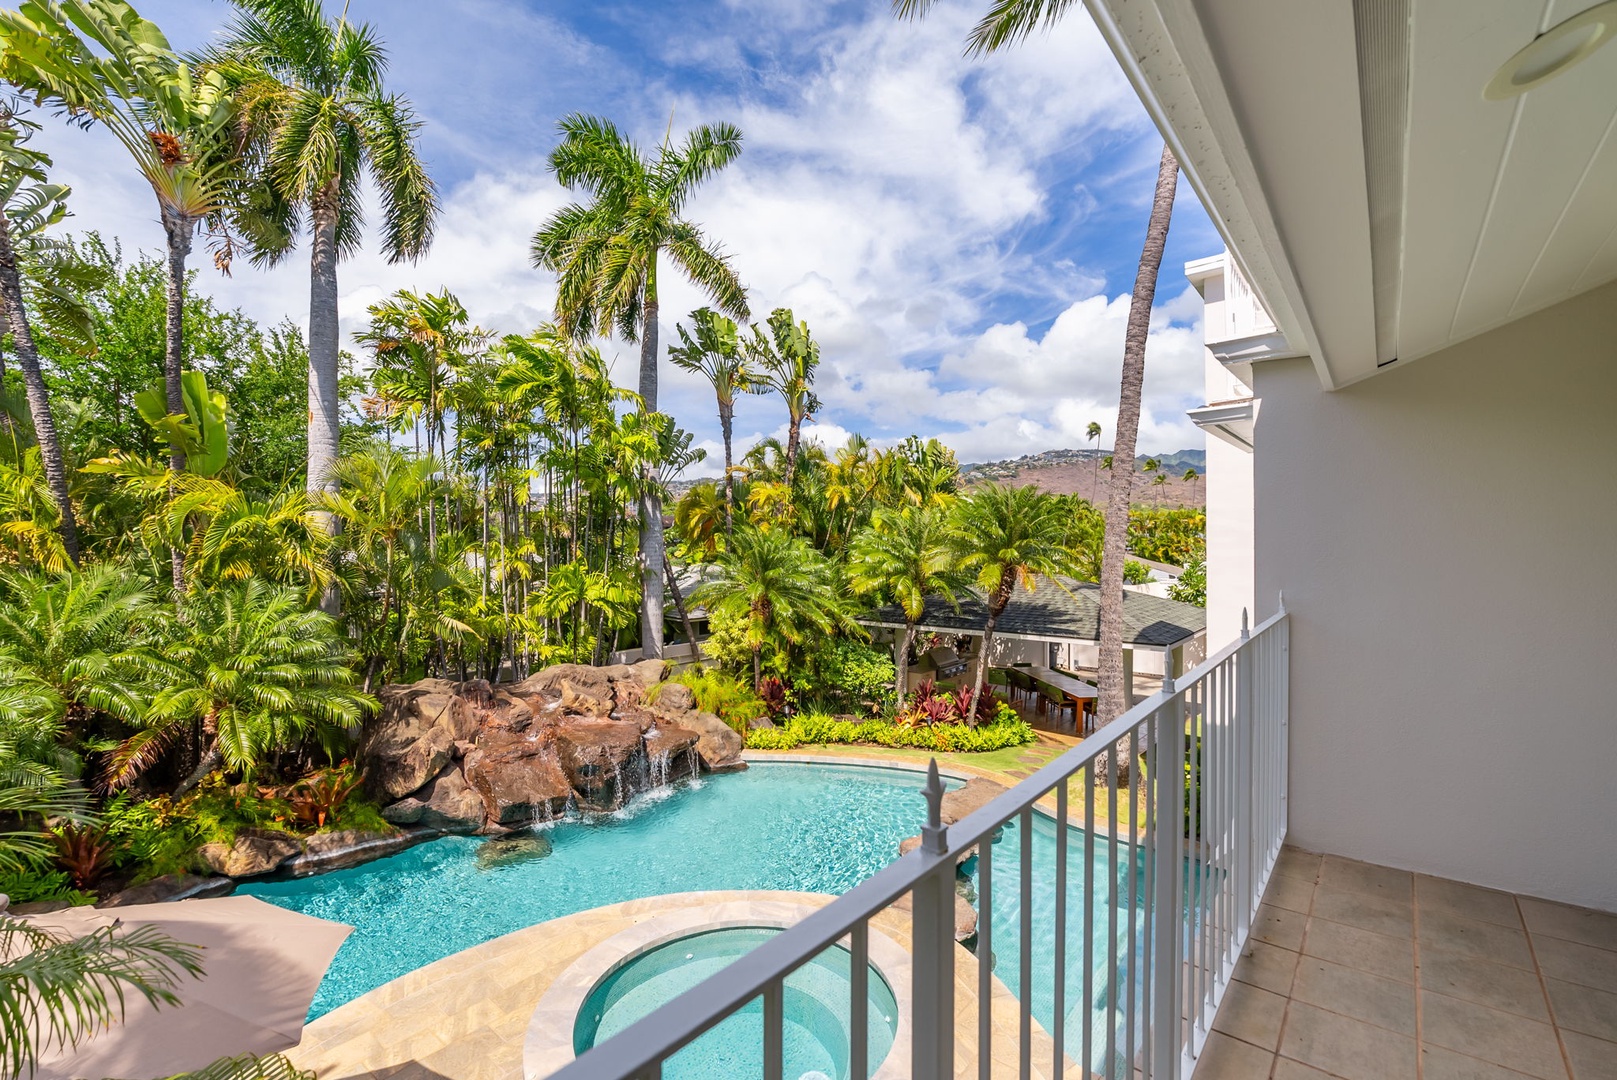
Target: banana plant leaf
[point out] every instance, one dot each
(202, 433)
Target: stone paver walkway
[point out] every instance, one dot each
(1367, 973)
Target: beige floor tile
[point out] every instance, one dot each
(1470, 901)
(1294, 862)
(1592, 1059)
(1277, 926)
(1251, 1015)
(1346, 1047)
(1497, 986)
(1382, 1002)
(1351, 947)
(1584, 1009)
(1368, 878)
(1586, 927)
(1291, 893)
(1437, 1063)
(1581, 964)
(1486, 941)
(1499, 1038)
(1224, 1058)
(1381, 914)
(1287, 1069)
(1267, 966)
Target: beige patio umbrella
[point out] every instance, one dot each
(261, 965)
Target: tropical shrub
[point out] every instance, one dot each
(1005, 730)
(32, 887)
(84, 851)
(846, 675)
(718, 692)
(1191, 588)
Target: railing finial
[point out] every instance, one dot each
(1281, 601)
(1246, 630)
(934, 834)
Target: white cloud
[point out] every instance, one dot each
(881, 195)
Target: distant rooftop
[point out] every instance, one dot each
(1066, 612)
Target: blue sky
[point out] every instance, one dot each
(961, 234)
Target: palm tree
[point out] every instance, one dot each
(1093, 434)
(78, 633)
(1160, 483)
(789, 356)
(1113, 703)
(1005, 536)
(175, 123)
(1190, 477)
(605, 255)
(1005, 23)
(715, 353)
(907, 555)
(255, 671)
(779, 586)
(318, 118)
(27, 206)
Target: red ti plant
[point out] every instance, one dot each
(773, 693)
(314, 798)
(84, 851)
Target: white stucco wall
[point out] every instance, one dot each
(1229, 539)
(1453, 704)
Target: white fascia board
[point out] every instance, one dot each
(1232, 421)
(1164, 52)
(1254, 349)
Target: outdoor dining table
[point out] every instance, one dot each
(1077, 693)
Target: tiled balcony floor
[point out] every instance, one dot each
(1367, 973)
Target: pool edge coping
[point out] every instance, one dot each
(548, 1040)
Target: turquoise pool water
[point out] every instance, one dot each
(815, 1007)
(811, 828)
(804, 828)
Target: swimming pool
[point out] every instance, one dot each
(786, 826)
(814, 1009)
(803, 828)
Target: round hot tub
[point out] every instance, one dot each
(814, 1005)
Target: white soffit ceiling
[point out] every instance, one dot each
(1380, 205)
(1510, 206)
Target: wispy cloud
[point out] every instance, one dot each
(957, 232)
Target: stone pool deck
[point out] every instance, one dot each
(467, 1016)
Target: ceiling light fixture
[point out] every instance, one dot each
(1554, 51)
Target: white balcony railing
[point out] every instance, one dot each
(1165, 826)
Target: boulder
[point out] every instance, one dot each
(650, 672)
(499, 851)
(171, 887)
(718, 743)
(584, 689)
(342, 848)
(758, 723)
(518, 779)
(676, 698)
(604, 760)
(973, 795)
(255, 852)
(448, 803)
(493, 707)
(413, 737)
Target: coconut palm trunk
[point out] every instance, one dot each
(323, 345)
(997, 603)
(679, 606)
(726, 426)
(179, 229)
(50, 447)
(651, 505)
(1114, 550)
(901, 666)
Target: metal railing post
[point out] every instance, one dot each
(1167, 905)
(932, 1051)
(1246, 831)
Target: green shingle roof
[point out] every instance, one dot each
(1059, 614)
